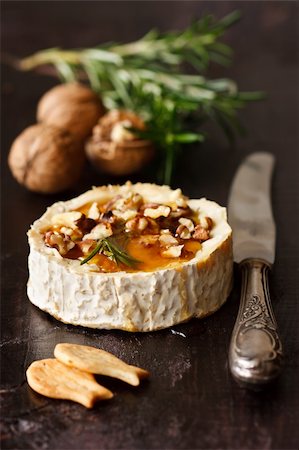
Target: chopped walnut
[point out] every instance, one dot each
(206, 222)
(200, 233)
(172, 252)
(137, 224)
(130, 201)
(93, 212)
(120, 204)
(100, 231)
(67, 219)
(142, 224)
(136, 201)
(59, 241)
(170, 247)
(108, 217)
(125, 208)
(67, 231)
(181, 202)
(166, 239)
(185, 228)
(125, 215)
(187, 223)
(155, 213)
(183, 232)
(110, 205)
(74, 234)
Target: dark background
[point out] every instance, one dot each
(190, 400)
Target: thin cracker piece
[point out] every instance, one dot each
(100, 362)
(54, 379)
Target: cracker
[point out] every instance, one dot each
(54, 379)
(100, 362)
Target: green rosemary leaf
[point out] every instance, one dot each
(188, 138)
(96, 250)
(97, 54)
(150, 77)
(121, 88)
(252, 96)
(92, 74)
(120, 253)
(114, 250)
(229, 19)
(66, 71)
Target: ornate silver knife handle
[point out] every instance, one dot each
(255, 354)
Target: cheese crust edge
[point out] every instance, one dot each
(139, 301)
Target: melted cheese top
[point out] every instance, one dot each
(143, 245)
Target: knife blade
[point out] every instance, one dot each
(255, 353)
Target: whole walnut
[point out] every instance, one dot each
(46, 159)
(72, 106)
(112, 148)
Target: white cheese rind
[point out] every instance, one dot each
(138, 301)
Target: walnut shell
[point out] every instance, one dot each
(46, 159)
(114, 149)
(119, 159)
(72, 106)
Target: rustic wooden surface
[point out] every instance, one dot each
(190, 401)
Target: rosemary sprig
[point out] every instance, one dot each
(148, 76)
(114, 250)
(198, 44)
(167, 123)
(165, 127)
(152, 64)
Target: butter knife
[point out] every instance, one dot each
(255, 353)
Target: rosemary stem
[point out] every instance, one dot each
(93, 253)
(49, 57)
(147, 76)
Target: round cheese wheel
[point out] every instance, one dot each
(132, 301)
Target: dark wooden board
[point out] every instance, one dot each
(190, 400)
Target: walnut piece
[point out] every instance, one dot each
(100, 231)
(67, 219)
(93, 212)
(187, 223)
(172, 252)
(183, 232)
(114, 149)
(206, 222)
(155, 213)
(71, 106)
(125, 215)
(59, 241)
(46, 159)
(166, 239)
(137, 224)
(185, 228)
(200, 233)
